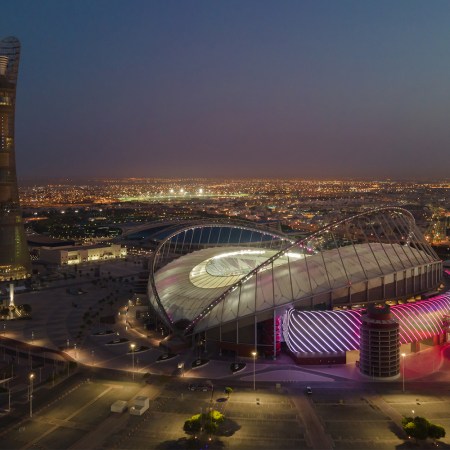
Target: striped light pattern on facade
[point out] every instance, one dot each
(321, 331)
(338, 331)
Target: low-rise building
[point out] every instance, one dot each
(82, 254)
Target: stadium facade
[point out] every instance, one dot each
(14, 256)
(244, 287)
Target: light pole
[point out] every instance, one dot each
(254, 370)
(132, 346)
(9, 397)
(403, 370)
(31, 393)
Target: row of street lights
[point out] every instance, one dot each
(254, 355)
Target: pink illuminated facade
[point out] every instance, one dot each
(339, 331)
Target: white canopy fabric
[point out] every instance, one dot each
(189, 284)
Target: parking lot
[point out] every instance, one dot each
(347, 417)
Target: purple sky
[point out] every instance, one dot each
(338, 89)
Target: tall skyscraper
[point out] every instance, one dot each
(15, 261)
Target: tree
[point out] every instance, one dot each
(216, 416)
(211, 427)
(421, 428)
(228, 391)
(436, 431)
(406, 420)
(208, 421)
(410, 429)
(193, 425)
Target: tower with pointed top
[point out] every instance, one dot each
(15, 261)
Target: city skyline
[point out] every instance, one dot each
(230, 226)
(231, 90)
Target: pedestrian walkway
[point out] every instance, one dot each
(315, 432)
(378, 402)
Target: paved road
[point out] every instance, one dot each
(315, 433)
(53, 428)
(42, 398)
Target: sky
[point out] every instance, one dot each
(247, 88)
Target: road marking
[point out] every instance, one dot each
(36, 440)
(63, 423)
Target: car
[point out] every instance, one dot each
(308, 390)
(200, 387)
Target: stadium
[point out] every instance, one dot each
(242, 288)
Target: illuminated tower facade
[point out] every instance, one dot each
(380, 343)
(15, 261)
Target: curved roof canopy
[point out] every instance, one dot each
(205, 287)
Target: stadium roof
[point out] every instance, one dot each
(211, 286)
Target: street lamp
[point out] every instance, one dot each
(9, 397)
(254, 370)
(132, 356)
(31, 377)
(403, 370)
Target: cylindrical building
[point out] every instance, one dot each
(379, 344)
(14, 256)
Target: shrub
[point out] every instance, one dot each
(211, 427)
(210, 422)
(410, 429)
(436, 431)
(406, 420)
(421, 428)
(216, 416)
(192, 425)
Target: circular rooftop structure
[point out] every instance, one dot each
(202, 284)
